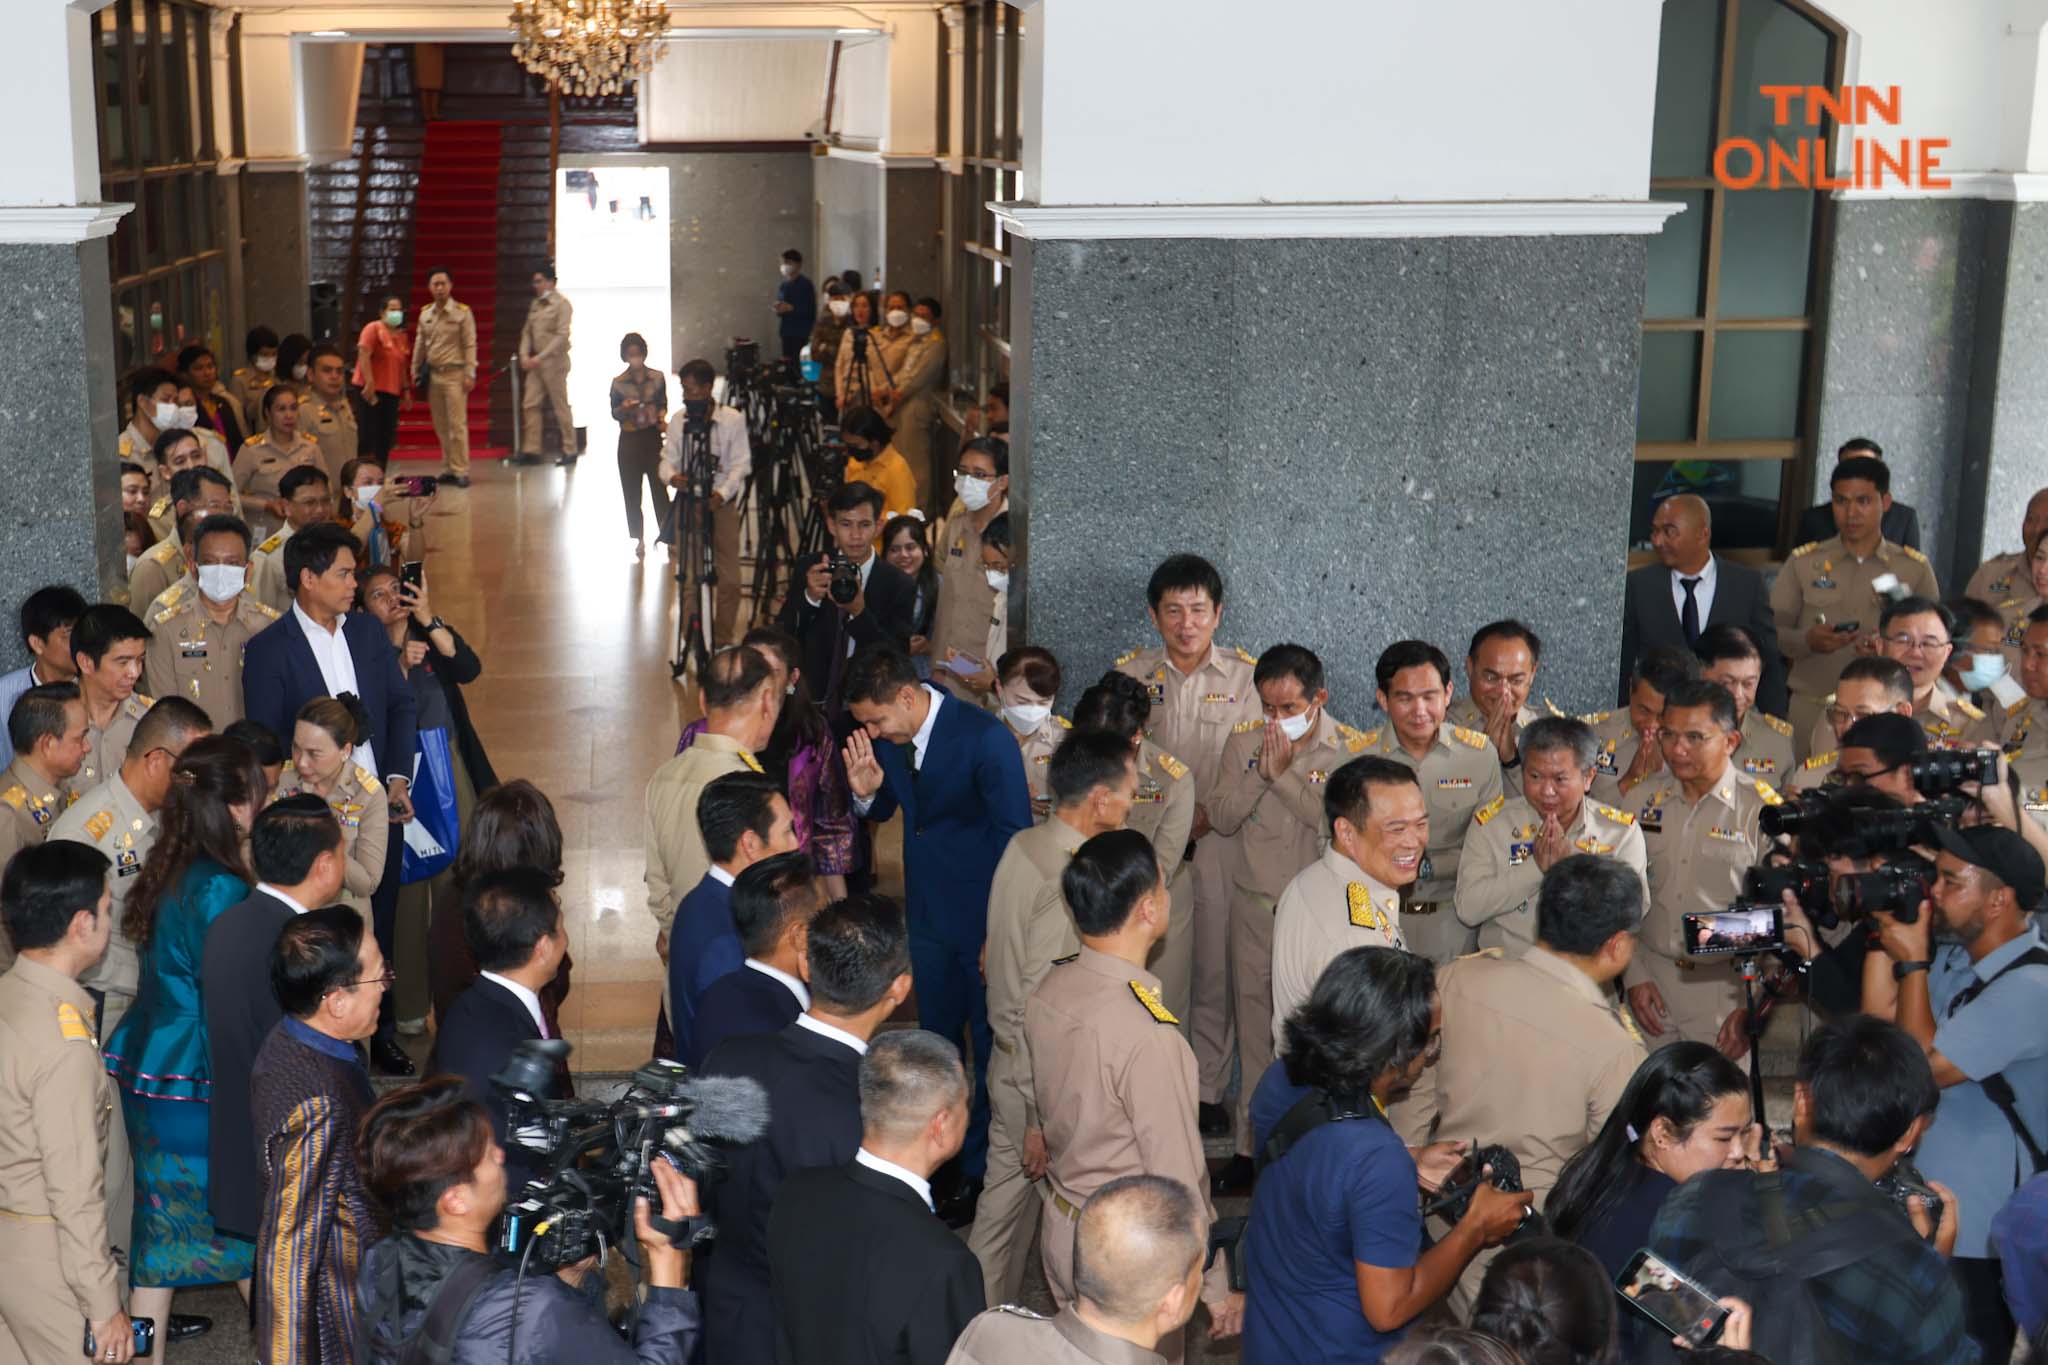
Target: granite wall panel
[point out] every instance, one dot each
(731, 216)
(276, 262)
(2013, 463)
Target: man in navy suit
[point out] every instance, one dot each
(772, 905)
(859, 965)
(863, 1270)
(744, 817)
(514, 927)
(957, 774)
(320, 648)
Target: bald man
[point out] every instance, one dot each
(1690, 588)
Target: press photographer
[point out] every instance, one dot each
(1967, 978)
(430, 1164)
(849, 598)
(706, 458)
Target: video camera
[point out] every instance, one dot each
(597, 1158)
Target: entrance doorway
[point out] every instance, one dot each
(612, 263)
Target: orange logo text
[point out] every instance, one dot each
(1802, 161)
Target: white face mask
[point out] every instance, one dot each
(1025, 720)
(997, 579)
(840, 307)
(919, 327)
(166, 416)
(974, 493)
(188, 417)
(366, 494)
(299, 371)
(266, 363)
(896, 317)
(788, 271)
(1294, 727)
(131, 562)
(220, 582)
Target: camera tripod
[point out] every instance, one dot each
(696, 556)
(1753, 1021)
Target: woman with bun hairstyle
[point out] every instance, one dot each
(323, 763)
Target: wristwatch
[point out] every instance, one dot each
(1902, 970)
(436, 624)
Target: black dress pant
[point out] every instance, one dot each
(383, 432)
(1985, 1315)
(639, 457)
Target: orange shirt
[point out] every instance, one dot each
(390, 355)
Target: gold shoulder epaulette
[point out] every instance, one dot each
(1126, 657)
(1768, 793)
(1150, 1000)
(164, 551)
(172, 598)
(262, 608)
(1172, 766)
(370, 784)
(1969, 708)
(1551, 707)
(127, 446)
(1248, 658)
(96, 828)
(1360, 910)
(142, 701)
(1063, 722)
(1480, 952)
(1469, 737)
(1490, 809)
(270, 546)
(1594, 717)
(1620, 817)
(1372, 736)
(16, 796)
(1354, 740)
(71, 1025)
(1783, 727)
(1808, 548)
(1826, 760)
(463, 306)
(160, 506)
(1247, 726)
(1914, 554)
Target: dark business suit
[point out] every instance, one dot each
(865, 1273)
(959, 811)
(1650, 619)
(280, 675)
(475, 1040)
(824, 630)
(1901, 525)
(703, 945)
(742, 1001)
(234, 978)
(813, 1085)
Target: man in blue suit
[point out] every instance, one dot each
(744, 818)
(772, 905)
(321, 648)
(956, 773)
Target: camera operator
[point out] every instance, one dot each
(1847, 834)
(851, 597)
(427, 1156)
(725, 433)
(1978, 1004)
(1817, 1248)
(1870, 686)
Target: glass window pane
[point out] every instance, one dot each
(1757, 379)
(146, 102)
(1678, 258)
(1766, 253)
(1742, 494)
(1775, 45)
(107, 25)
(1681, 138)
(127, 231)
(153, 224)
(1667, 402)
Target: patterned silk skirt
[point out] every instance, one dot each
(174, 1243)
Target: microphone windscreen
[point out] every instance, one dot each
(728, 1108)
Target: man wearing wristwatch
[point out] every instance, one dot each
(1968, 978)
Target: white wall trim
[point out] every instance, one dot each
(893, 161)
(58, 224)
(1501, 218)
(277, 163)
(2005, 187)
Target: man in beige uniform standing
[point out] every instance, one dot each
(1200, 694)
(2003, 576)
(1459, 773)
(1093, 778)
(327, 415)
(1516, 840)
(108, 645)
(981, 482)
(446, 357)
(544, 362)
(46, 730)
(58, 1274)
(1825, 602)
(1115, 1081)
(1500, 675)
(1625, 749)
(199, 628)
(308, 501)
(1699, 824)
(1729, 656)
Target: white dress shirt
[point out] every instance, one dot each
(796, 987)
(866, 1158)
(267, 889)
(721, 876)
(729, 448)
(837, 1035)
(526, 998)
(1702, 592)
(338, 671)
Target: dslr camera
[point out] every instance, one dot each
(845, 579)
(596, 1158)
(1454, 1197)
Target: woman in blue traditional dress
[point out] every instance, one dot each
(195, 870)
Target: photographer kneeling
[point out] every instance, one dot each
(430, 1164)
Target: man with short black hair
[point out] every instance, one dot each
(1901, 522)
(1625, 748)
(46, 732)
(878, 614)
(1975, 1003)
(200, 627)
(1500, 674)
(773, 901)
(47, 615)
(1730, 656)
(308, 501)
(724, 432)
(2003, 576)
(444, 360)
(796, 307)
(247, 383)
(199, 493)
(1919, 632)
(328, 414)
(1870, 686)
(544, 368)
(108, 644)
(1864, 1097)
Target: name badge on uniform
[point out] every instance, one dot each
(1651, 817)
(1760, 767)
(1157, 691)
(1225, 697)
(41, 812)
(1150, 792)
(2037, 799)
(1520, 852)
(350, 814)
(127, 863)
(959, 548)
(1317, 777)
(1825, 583)
(192, 649)
(1453, 783)
(1604, 761)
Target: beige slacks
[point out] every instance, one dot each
(1001, 1236)
(549, 382)
(1251, 989)
(1209, 994)
(448, 401)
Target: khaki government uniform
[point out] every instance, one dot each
(156, 569)
(1164, 812)
(1465, 711)
(1010, 1335)
(1283, 832)
(266, 572)
(1817, 771)
(1766, 748)
(29, 803)
(136, 448)
(1115, 1084)
(2000, 577)
(1615, 744)
(1029, 928)
(918, 379)
(1460, 774)
(57, 1119)
(1331, 906)
(105, 749)
(193, 656)
(1498, 878)
(109, 818)
(966, 602)
(1822, 581)
(247, 386)
(1535, 1056)
(545, 337)
(1697, 857)
(1037, 749)
(163, 518)
(2027, 754)
(259, 465)
(446, 355)
(332, 427)
(1949, 720)
(1192, 716)
(676, 858)
(876, 365)
(361, 805)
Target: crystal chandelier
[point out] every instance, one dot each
(588, 47)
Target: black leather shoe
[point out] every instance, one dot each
(565, 460)
(456, 480)
(389, 1058)
(1213, 1120)
(522, 459)
(958, 1211)
(188, 1327)
(1233, 1177)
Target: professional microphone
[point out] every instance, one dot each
(732, 1109)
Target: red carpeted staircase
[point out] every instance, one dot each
(455, 225)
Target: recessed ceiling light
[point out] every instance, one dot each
(330, 33)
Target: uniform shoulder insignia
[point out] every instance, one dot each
(141, 703)
(1808, 548)
(1783, 727)
(1490, 809)
(1125, 657)
(1595, 717)
(96, 828)
(463, 306)
(370, 784)
(1620, 817)
(15, 796)
(1063, 961)
(164, 551)
(270, 546)
(1469, 737)
(261, 608)
(1018, 1310)
(1245, 727)
(1969, 708)
(1354, 740)
(1552, 708)
(1768, 793)
(160, 506)
(71, 1025)
(1172, 767)
(1063, 722)
(1627, 1020)
(1149, 998)
(1248, 658)
(1913, 554)
(127, 446)
(1481, 952)
(1819, 761)
(168, 609)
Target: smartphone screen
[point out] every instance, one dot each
(1679, 1306)
(413, 574)
(1751, 929)
(418, 487)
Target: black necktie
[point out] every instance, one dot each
(1689, 618)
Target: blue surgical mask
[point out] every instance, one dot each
(1984, 670)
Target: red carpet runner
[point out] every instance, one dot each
(455, 224)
